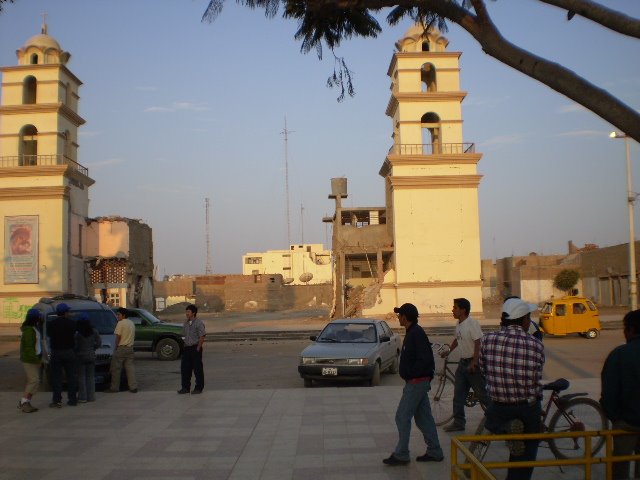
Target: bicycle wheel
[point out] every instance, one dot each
(479, 449)
(577, 415)
(441, 397)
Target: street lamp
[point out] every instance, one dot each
(631, 198)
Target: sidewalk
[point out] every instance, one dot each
(319, 433)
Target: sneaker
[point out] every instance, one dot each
(134, 390)
(182, 391)
(454, 427)
(394, 461)
(27, 408)
(55, 405)
(196, 391)
(110, 390)
(428, 458)
(516, 447)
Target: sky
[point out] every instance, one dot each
(178, 111)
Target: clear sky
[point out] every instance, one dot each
(178, 110)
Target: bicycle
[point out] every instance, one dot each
(575, 412)
(442, 394)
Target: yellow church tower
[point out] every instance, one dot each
(431, 182)
(44, 191)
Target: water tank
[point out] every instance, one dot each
(339, 187)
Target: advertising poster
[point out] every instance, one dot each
(21, 249)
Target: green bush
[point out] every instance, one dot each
(566, 279)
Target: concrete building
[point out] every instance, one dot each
(44, 191)
(308, 264)
(427, 251)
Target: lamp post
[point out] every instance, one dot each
(631, 198)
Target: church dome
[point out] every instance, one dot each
(42, 40)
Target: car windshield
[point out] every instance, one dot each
(104, 321)
(546, 308)
(348, 333)
(149, 316)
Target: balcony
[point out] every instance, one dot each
(432, 148)
(40, 161)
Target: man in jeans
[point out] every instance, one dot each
(511, 361)
(416, 369)
(191, 363)
(61, 332)
(467, 341)
(123, 354)
(621, 394)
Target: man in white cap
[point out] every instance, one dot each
(511, 361)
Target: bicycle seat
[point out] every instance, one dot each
(557, 386)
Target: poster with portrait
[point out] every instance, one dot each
(21, 249)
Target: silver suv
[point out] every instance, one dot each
(102, 319)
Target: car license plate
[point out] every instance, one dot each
(330, 371)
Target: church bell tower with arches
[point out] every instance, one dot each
(431, 183)
(44, 191)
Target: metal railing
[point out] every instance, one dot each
(41, 160)
(432, 148)
(471, 467)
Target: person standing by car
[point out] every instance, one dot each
(621, 396)
(61, 332)
(468, 336)
(416, 369)
(31, 357)
(87, 341)
(123, 355)
(191, 362)
(511, 361)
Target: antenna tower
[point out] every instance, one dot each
(286, 133)
(208, 270)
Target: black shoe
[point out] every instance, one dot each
(394, 461)
(182, 391)
(134, 390)
(72, 404)
(196, 391)
(428, 458)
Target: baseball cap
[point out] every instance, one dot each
(517, 308)
(62, 308)
(409, 310)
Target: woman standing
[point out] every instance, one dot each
(87, 340)
(31, 357)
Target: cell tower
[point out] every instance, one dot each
(208, 270)
(286, 133)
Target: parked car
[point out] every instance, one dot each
(351, 349)
(570, 315)
(154, 335)
(101, 318)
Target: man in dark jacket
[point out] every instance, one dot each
(621, 395)
(416, 369)
(61, 332)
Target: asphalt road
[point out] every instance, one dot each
(273, 364)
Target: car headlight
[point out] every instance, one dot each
(307, 360)
(358, 361)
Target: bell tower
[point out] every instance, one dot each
(431, 181)
(44, 191)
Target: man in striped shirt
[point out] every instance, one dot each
(511, 361)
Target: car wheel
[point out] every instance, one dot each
(308, 383)
(395, 365)
(374, 381)
(168, 349)
(593, 333)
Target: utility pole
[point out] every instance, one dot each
(208, 270)
(286, 133)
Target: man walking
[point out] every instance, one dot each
(467, 341)
(416, 369)
(123, 354)
(511, 361)
(621, 394)
(191, 363)
(61, 332)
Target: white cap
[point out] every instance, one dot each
(516, 308)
